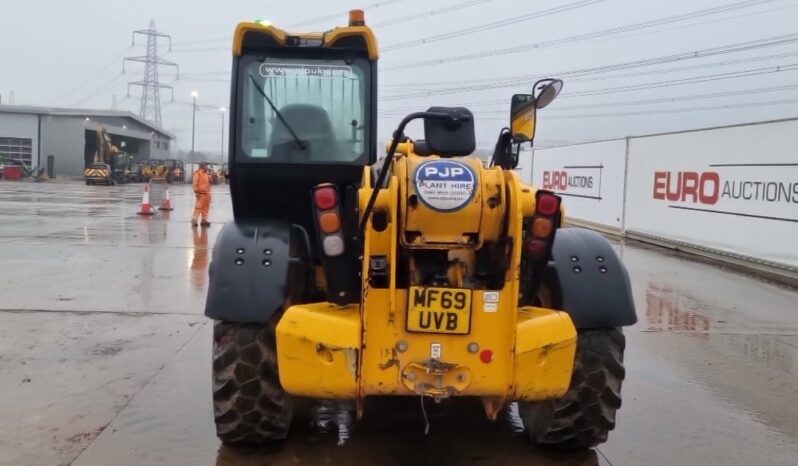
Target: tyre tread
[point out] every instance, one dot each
(585, 415)
(250, 406)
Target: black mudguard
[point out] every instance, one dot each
(592, 282)
(250, 271)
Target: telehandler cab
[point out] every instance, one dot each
(423, 274)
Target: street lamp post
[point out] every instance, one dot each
(221, 149)
(194, 96)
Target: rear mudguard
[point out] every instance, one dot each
(590, 280)
(252, 270)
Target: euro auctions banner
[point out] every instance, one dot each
(733, 189)
(589, 177)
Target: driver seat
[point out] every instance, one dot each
(312, 125)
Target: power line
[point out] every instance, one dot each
(90, 78)
(430, 13)
(317, 19)
(689, 68)
(677, 110)
(498, 82)
(658, 71)
(343, 13)
(625, 103)
(382, 24)
(497, 24)
(104, 87)
(657, 112)
(580, 37)
(683, 81)
(756, 44)
(659, 84)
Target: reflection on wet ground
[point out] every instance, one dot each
(117, 371)
(94, 253)
(666, 310)
(392, 434)
(199, 258)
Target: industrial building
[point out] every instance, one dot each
(64, 140)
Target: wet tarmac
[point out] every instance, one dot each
(105, 356)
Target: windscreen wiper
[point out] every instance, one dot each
(277, 112)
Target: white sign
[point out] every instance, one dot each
(732, 189)
(435, 351)
(445, 185)
(590, 177)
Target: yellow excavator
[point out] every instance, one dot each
(110, 165)
(424, 274)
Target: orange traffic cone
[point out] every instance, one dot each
(167, 202)
(146, 208)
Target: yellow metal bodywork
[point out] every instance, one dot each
(318, 346)
(532, 348)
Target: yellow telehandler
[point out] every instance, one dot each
(423, 274)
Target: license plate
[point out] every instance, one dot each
(439, 310)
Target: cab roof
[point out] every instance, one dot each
(259, 34)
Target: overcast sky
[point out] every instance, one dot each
(69, 53)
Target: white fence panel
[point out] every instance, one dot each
(731, 189)
(524, 167)
(590, 177)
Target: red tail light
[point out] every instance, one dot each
(547, 203)
(325, 197)
(536, 250)
(542, 227)
(328, 219)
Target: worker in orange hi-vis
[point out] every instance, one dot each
(202, 189)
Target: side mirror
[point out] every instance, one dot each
(523, 112)
(547, 90)
(449, 131)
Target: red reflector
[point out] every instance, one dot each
(536, 250)
(548, 204)
(325, 198)
(486, 356)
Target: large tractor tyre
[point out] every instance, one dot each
(585, 415)
(249, 404)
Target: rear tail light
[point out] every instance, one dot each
(325, 197)
(328, 219)
(547, 203)
(333, 245)
(329, 222)
(536, 250)
(542, 228)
